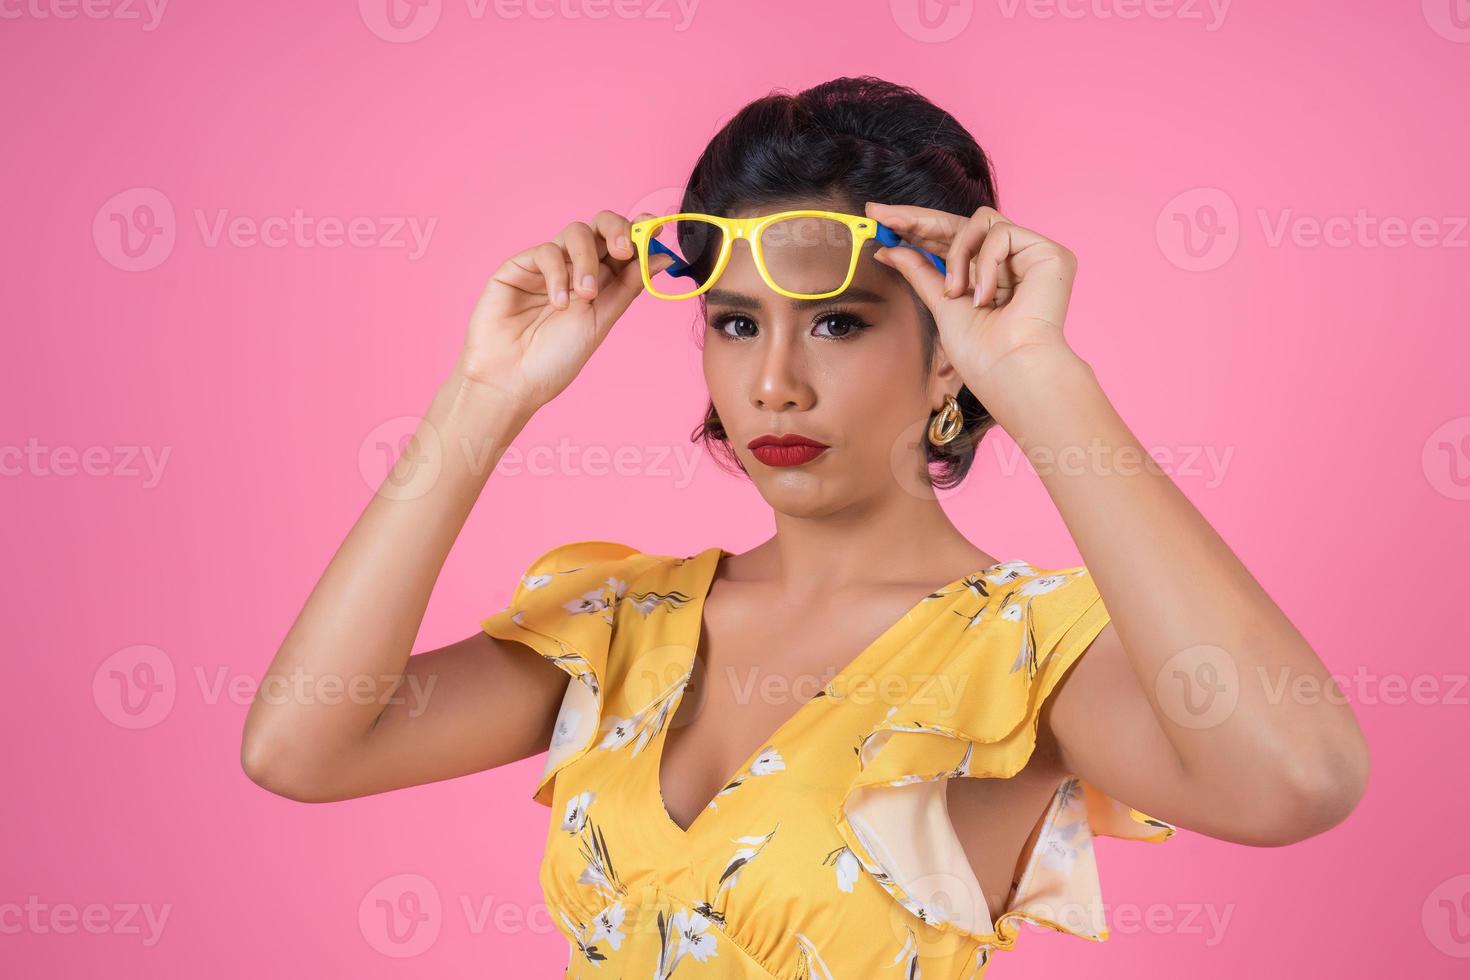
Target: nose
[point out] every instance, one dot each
(781, 384)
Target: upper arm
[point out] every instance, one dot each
(476, 704)
(1107, 732)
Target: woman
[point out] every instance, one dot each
(806, 759)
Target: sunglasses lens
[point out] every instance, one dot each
(694, 244)
(807, 255)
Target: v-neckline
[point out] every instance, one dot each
(707, 564)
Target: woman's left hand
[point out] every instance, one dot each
(1008, 287)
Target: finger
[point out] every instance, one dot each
(551, 262)
(970, 238)
(917, 271)
(621, 288)
(991, 264)
(612, 231)
(582, 247)
(925, 227)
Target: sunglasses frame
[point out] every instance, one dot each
(862, 228)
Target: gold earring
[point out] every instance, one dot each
(947, 423)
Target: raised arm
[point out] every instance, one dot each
(1182, 706)
(344, 710)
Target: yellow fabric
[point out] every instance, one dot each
(829, 853)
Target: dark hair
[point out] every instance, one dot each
(846, 142)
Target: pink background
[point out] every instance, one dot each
(1327, 380)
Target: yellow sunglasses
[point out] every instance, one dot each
(790, 248)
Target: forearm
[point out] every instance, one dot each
(347, 649)
(1173, 586)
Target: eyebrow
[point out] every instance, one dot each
(742, 301)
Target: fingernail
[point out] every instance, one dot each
(976, 301)
(623, 244)
(949, 282)
(588, 283)
(561, 298)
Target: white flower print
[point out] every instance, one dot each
(845, 863)
(1009, 571)
(575, 816)
(566, 725)
(608, 925)
(588, 602)
(585, 944)
(533, 582)
(685, 933)
(909, 956)
(742, 857)
(1043, 585)
(642, 725)
(767, 762)
(812, 966)
(1065, 841)
(1064, 845)
(620, 731)
(599, 872)
(695, 938)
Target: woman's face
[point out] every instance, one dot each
(846, 371)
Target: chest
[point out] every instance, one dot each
(756, 676)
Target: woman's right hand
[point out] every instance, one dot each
(546, 309)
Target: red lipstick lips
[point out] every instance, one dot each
(787, 450)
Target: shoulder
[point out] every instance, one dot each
(1018, 627)
(576, 583)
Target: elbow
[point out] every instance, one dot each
(274, 771)
(1317, 797)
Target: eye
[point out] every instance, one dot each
(745, 323)
(831, 325)
(840, 325)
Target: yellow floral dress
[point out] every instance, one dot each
(829, 852)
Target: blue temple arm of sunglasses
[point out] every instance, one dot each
(886, 236)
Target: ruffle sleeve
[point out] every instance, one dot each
(893, 814)
(563, 608)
